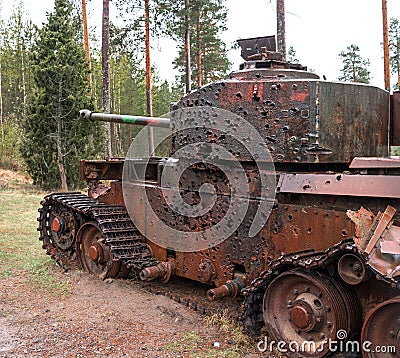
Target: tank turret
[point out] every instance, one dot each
(302, 118)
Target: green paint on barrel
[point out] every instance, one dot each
(128, 119)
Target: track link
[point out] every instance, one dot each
(118, 230)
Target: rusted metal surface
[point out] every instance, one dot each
(296, 118)
(352, 269)
(275, 70)
(230, 288)
(94, 254)
(101, 169)
(206, 271)
(300, 306)
(374, 163)
(97, 189)
(95, 170)
(378, 186)
(256, 47)
(113, 195)
(162, 271)
(382, 222)
(395, 119)
(379, 240)
(107, 233)
(381, 328)
(293, 228)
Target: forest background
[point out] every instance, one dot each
(44, 78)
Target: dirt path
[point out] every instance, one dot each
(114, 319)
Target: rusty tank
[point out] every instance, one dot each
(312, 243)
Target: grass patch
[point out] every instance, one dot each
(192, 345)
(188, 343)
(199, 347)
(44, 276)
(20, 250)
(229, 326)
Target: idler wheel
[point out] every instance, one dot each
(93, 254)
(306, 309)
(352, 269)
(382, 328)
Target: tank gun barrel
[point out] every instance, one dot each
(87, 115)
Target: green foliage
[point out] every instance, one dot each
(132, 36)
(15, 79)
(10, 137)
(208, 53)
(292, 55)
(394, 48)
(355, 68)
(44, 84)
(207, 20)
(55, 138)
(15, 43)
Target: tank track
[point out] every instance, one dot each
(252, 315)
(118, 230)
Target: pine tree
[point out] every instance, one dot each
(207, 21)
(355, 68)
(292, 55)
(394, 43)
(55, 139)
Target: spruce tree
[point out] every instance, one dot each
(54, 138)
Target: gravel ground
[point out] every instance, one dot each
(99, 318)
